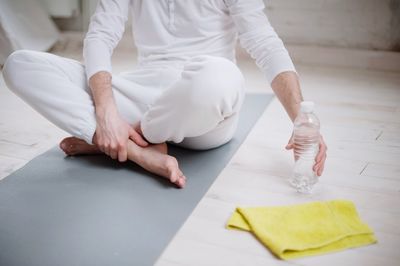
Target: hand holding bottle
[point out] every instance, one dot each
(320, 159)
(309, 149)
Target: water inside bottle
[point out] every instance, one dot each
(306, 146)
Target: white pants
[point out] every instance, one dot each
(195, 105)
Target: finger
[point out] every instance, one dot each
(321, 170)
(122, 154)
(137, 138)
(317, 170)
(95, 139)
(290, 145)
(101, 148)
(322, 160)
(322, 144)
(113, 152)
(321, 152)
(99, 143)
(138, 128)
(109, 149)
(106, 148)
(318, 165)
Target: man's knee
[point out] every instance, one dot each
(12, 67)
(211, 89)
(214, 80)
(218, 136)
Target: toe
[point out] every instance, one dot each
(63, 145)
(66, 149)
(70, 150)
(173, 179)
(171, 164)
(181, 182)
(178, 179)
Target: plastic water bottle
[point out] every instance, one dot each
(306, 146)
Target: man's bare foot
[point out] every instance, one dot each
(75, 146)
(155, 159)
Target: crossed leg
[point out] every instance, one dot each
(208, 94)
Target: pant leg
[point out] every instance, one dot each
(220, 135)
(198, 105)
(56, 87)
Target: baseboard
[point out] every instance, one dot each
(341, 57)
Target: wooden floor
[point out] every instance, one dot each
(360, 116)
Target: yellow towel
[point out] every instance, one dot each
(306, 229)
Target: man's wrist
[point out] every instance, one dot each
(100, 84)
(101, 109)
(286, 86)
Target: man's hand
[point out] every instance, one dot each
(287, 87)
(113, 133)
(318, 167)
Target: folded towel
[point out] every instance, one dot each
(306, 229)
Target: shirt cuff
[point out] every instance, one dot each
(97, 58)
(278, 63)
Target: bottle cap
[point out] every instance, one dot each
(307, 107)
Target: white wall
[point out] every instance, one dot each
(365, 24)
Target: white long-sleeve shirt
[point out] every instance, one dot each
(171, 31)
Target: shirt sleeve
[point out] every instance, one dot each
(259, 38)
(105, 31)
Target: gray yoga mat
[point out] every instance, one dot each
(91, 210)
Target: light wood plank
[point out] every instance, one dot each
(383, 171)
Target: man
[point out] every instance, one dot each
(187, 88)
